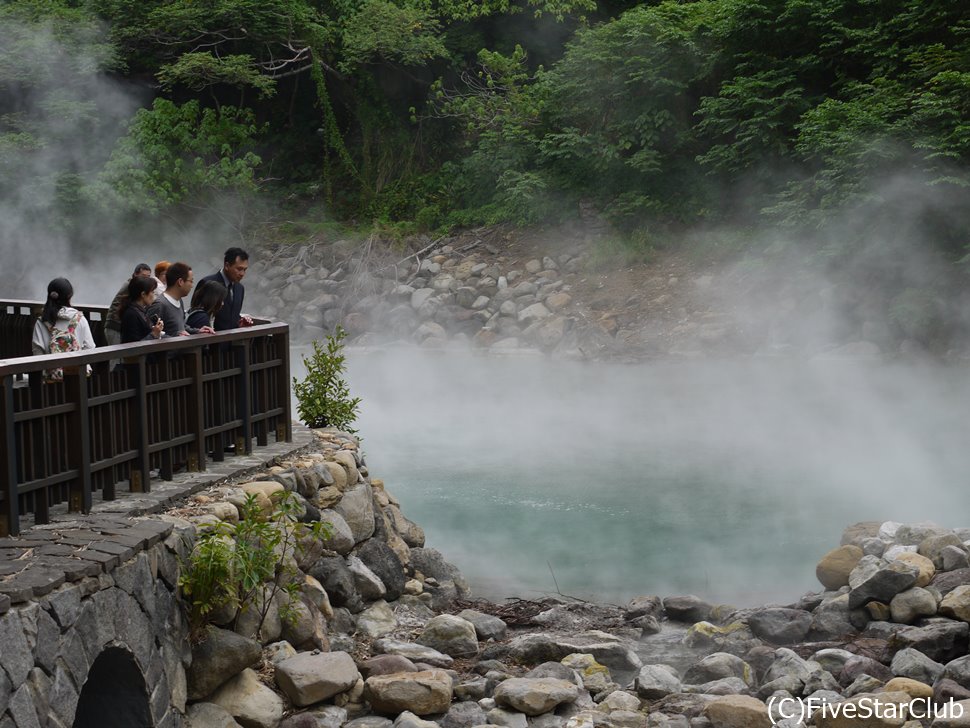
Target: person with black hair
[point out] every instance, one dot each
(60, 328)
(235, 263)
(137, 324)
(169, 305)
(207, 301)
(112, 322)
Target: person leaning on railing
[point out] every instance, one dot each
(112, 322)
(135, 322)
(60, 328)
(207, 301)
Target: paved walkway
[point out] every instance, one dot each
(74, 546)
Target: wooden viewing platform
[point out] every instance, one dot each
(146, 409)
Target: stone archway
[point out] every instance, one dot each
(114, 694)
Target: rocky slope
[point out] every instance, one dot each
(385, 634)
(558, 292)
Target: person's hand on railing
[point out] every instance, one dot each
(206, 330)
(245, 321)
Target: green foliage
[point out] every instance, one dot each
(231, 564)
(201, 70)
(323, 397)
(181, 154)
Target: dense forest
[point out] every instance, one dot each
(424, 115)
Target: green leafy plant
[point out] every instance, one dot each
(245, 565)
(323, 397)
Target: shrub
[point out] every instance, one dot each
(230, 563)
(323, 397)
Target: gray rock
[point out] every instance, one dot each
(507, 718)
(486, 626)
(381, 559)
(687, 608)
(209, 715)
(341, 539)
(310, 678)
(939, 639)
(657, 681)
(862, 684)
(954, 557)
(958, 671)
(722, 686)
(251, 703)
(431, 563)
(219, 657)
(862, 665)
(15, 657)
(369, 721)
(408, 719)
(357, 508)
(463, 715)
(608, 649)
(833, 618)
(335, 577)
(420, 297)
(932, 546)
(450, 634)
(377, 620)
(414, 652)
(717, 666)
(251, 618)
(386, 665)
(645, 605)
(555, 670)
(367, 583)
(916, 666)
(832, 659)
(780, 626)
(907, 606)
(881, 584)
(534, 696)
(786, 663)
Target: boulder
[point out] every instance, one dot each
(217, 658)
(656, 681)
(940, 640)
(954, 557)
(687, 608)
(932, 547)
(450, 634)
(463, 715)
(955, 715)
(881, 710)
(310, 678)
(338, 582)
(377, 620)
(780, 626)
(341, 538)
(737, 711)
(367, 583)
(926, 569)
(412, 651)
(834, 568)
(907, 606)
(913, 688)
(596, 677)
(717, 666)
(882, 583)
(486, 626)
(386, 665)
(423, 693)
(958, 671)
(534, 696)
(608, 649)
(912, 664)
(208, 715)
(251, 703)
(381, 559)
(357, 509)
(956, 604)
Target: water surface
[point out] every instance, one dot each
(724, 479)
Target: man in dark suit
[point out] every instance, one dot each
(234, 266)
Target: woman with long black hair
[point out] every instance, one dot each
(60, 328)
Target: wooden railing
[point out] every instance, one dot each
(156, 406)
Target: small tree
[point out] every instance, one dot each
(323, 397)
(230, 563)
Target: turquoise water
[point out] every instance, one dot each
(724, 479)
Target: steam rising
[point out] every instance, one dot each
(729, 479)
